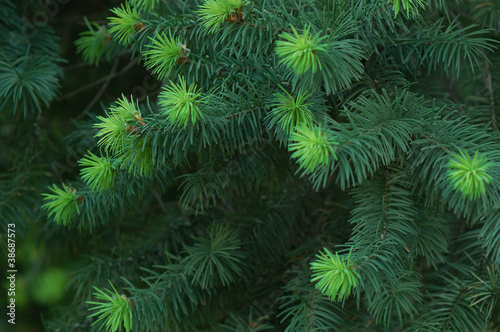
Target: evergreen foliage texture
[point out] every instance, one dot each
(304, 165)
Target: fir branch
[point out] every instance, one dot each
(215, 260)
(211, 226)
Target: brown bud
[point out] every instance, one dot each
(182, 59)
(79, 200)
(132, 129)
(107, 38)
(236, 16)
(232, 18)
(139, 26)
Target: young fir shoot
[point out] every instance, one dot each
(180, 103)
(336, 277)
(289, 111)
(114, 311)
(408, 5)
(468, 175)
(312, 147)
(62, 203)
(126, 24)
(116, 127)
(214, 12)
(300, 52)
(163, 54)
(93, 42)
(98, 172)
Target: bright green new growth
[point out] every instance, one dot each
(115, 311)
(98, 172)
(145, 5)
(126, 24)
(163, 54)
(62, 203)
(312, 147)
(300, 52)
(180, 103)
(290, 111)
(115, 128)
(92, 43)
(336, 277)
(214, 12)
(408, 5)
(468, 175)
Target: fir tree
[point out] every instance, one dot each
(305, 166)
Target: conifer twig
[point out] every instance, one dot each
(101, 90)
(489, 86)
(101, 80)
